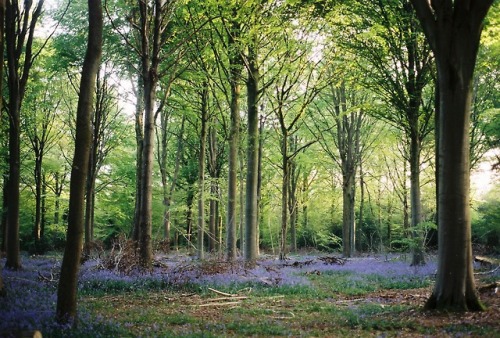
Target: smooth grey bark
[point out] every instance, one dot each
(453, 30)
(204, 116)
(152, 38)
(168, 192)
(139, 139)
(292, 196)
(19, 35)
(252, 179)
(2, 220)
(66, 310)
(235, 70)
(216, 160)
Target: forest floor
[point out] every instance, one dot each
(310, 295)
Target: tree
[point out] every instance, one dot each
(39, 126)
(154, 29)
(20, 23)
(234, 32)
(2, 27)
(342, 119)
(393, 51)
(453, 30)
(66, 310)
(105, 137)
(297, 83)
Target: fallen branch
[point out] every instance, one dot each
(222, 293)
(227, 298)
(218, 304)
(487, 272)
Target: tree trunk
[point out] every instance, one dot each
(453, 30)
(38, 198)
(201, 172)
(151, 33)
(66, 311)
(139, 139)
(292, 195)
(455, 286)
(418, 257)
(251, 203)
(235, 66)
(189, 216)
(284, 194)
(3, 215)
(19, 32)
(168, 192)
(43, 217)
(259, 183)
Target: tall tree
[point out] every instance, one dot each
(453, 30)
(153, 23)
(105, 137)
(204, 116)
(2, 34)
(20, 23)
(399, 61)
(39, 126)
(66, 310)
(297, 83)
(236, 64)
(342, 121)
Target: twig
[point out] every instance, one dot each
(227, 298)
(218, 304)
(487, 272)
(222, 293)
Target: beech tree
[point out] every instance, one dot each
(66, 310)
(2, 31)
(39, 126)
(341, 120)
(20, 24)
(453, 30)
(392, 49)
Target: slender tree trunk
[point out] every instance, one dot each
(292, 195)
(19, 34)
(151, 35)
(259, 183)
(139, 139)
(235, 66)
(201, 172)
(251, 203)
(43, 217)
(415, 201)
(214, 172)
(38, 198)
(168, 198)
(4, 199)
(189, 217)
(67, 290)
(348, 192)
(361, 196)
(284, 194)
(5, 206)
